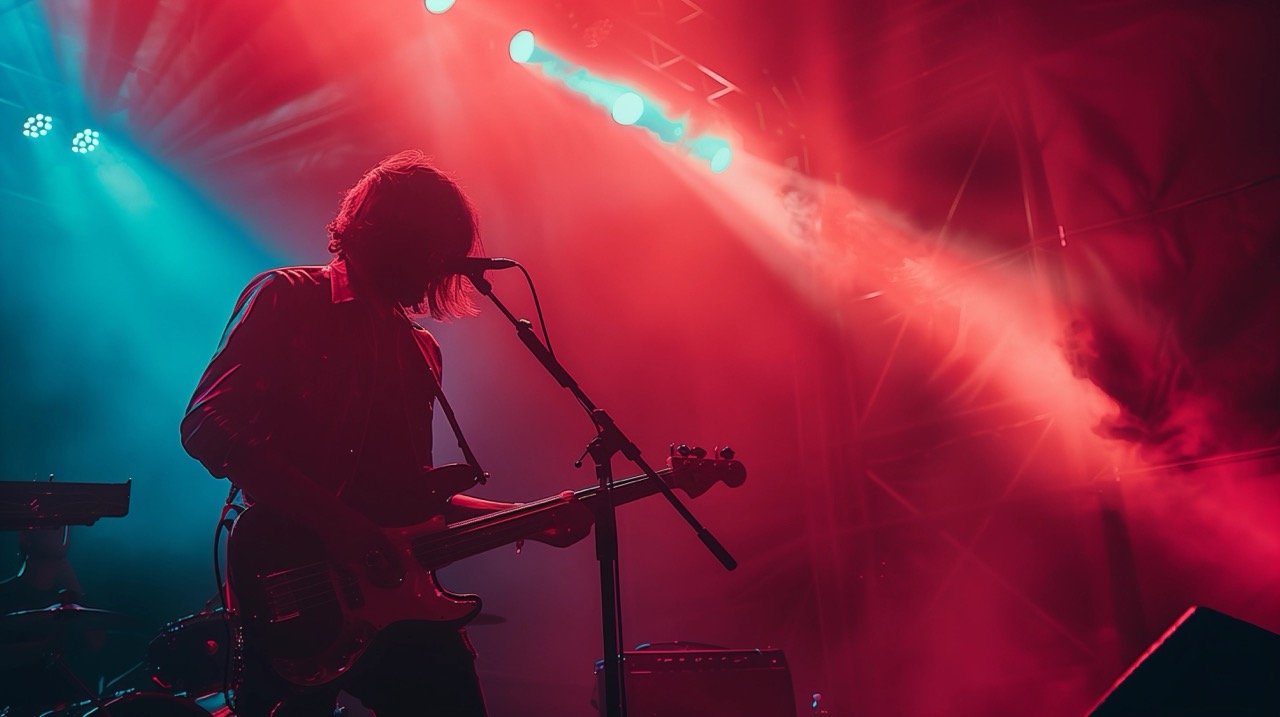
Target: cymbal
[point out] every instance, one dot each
(61, 618)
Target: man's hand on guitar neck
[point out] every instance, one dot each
(572, 522)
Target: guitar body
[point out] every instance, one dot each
(313, 618)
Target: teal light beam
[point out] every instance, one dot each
(627, 105)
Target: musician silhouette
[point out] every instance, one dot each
(319, 403)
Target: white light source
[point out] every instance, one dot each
(628, 108)
(435, 7)
(522, 46)
(85, 141)
(37, 125)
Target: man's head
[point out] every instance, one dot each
(399, 226)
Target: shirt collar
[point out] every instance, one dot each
(339, 283)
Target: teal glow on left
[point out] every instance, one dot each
(122, 276)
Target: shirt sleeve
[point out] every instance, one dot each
(231, 404)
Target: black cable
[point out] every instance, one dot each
(537, 305)
(221, 586)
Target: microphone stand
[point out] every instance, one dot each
(609, 440)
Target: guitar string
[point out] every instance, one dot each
(465, 535)
(467, 541)
(458, 530)
(461, 533)
(302, 593)
(321, 570)
(326, 591)
(466, 538)
(320, 597)
(297, 574)
(299, 593)
(305, 600)
(321, 591)
(326, 577)
(293, 589)
(298, 569)
(322, 574)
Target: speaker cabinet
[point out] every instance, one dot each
(705, 683)
(1207, 663)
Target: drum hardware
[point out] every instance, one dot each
(44, 634)
(62, 619)
(190, 655)
(133, 704)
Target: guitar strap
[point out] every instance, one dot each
(467, 455)
(481, 476)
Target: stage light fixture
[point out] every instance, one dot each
(85, 141)
(715, 151)
(436, 7)
(721, 160)
(627, 108)
(522, 46)
(37, 125)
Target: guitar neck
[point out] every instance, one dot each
(477, 535)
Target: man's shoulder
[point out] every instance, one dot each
(300, 276)
(289, 281)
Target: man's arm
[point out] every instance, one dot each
(462, 506)
(572, 522)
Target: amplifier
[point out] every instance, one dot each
(705, 683)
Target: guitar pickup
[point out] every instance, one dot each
(285, 617)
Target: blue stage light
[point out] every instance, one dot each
(435, 7)
(715, 151)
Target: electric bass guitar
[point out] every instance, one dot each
(314, 618)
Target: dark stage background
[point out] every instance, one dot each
(985, 300)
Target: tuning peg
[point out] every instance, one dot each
(726, 453)
(699, 452)
(683, 450)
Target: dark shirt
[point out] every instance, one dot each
(339, 386)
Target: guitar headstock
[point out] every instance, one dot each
(694, 472)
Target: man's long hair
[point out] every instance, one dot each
(405, 198)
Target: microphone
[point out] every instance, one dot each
(476, 264)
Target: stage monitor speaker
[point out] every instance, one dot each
(1207, 663)
(705, 683)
